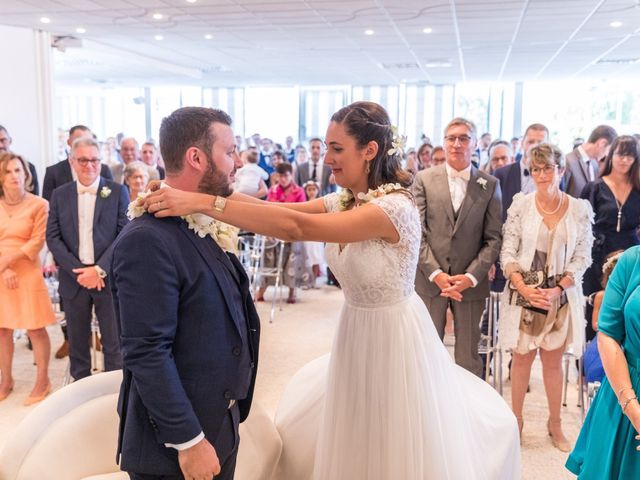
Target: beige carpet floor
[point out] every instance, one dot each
(300, 333)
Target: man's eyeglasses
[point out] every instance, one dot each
(452, 139)
(547, 169)
(87, 161)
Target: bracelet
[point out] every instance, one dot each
(559, 285)
(623, 390)
(626, 402)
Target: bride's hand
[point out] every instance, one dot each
(171, 202)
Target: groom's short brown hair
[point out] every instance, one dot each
(185, 128)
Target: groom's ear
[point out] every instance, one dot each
(194, 158)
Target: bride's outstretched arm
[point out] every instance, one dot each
(266, 218)
(312, 206)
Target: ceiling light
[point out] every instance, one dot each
(158, 37)
(192, 1)
(81, 30)
(158, 16)
(438, 63)
(45, 20)
(369, 32)
(427, 30)
(208, 36)
(615, 24)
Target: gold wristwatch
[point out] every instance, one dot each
(219, 204)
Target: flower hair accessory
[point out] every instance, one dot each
(398, 144)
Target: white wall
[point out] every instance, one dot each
(26, 94)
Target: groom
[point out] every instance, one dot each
(460, 210)
(189, 327)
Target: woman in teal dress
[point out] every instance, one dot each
(606, 447)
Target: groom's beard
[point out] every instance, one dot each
(214, 182)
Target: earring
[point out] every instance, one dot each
(368, 169)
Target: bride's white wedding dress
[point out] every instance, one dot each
(389, 402)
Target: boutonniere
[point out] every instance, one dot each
(226, 236)
(482, 182)
(105, 192)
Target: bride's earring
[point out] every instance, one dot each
(368, 169)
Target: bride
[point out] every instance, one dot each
(389, 403)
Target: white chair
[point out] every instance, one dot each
(72, 435)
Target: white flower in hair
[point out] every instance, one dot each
(398, 144)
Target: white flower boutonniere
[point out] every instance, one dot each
(226, 236)
(105, 192)
(482, 182)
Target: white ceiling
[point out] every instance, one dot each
(320, 42)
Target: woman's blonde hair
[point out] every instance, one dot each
(545, 154)
(5, 158)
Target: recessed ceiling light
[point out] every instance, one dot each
(438, 63)
(615, 24)
(192, 1)
(158, 16)
(208, 36)
(45, 20)
(369, 32)
(158, 37)
(81, 30)
(427, 30)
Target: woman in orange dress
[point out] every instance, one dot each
(24, 300)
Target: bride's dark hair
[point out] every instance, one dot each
(366, 122)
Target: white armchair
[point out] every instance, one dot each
(72, 435)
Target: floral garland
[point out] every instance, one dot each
(345, 197)
(226, 236)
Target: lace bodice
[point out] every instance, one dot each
(375, 273)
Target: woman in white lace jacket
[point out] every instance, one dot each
(546, 249)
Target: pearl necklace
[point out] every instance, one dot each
(557, 208)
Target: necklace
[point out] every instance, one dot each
(346, 197)
(619, 205)
(553, 212)
(13, 204)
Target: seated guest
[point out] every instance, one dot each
(607, 445)
(136, 178)
(250, 179)
(294, 271)
(593, 369)
(546, 248)
(85, 218)
(24, 300)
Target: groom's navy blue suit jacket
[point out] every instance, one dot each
(189, 334)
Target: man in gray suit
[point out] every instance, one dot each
(461, 212)
(582, 165)
(315, 169)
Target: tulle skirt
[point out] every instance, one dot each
(389, 403)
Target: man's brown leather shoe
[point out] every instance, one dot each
(63, 351)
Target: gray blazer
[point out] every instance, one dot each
(469, 244)
(576, 174)
(302, 177)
